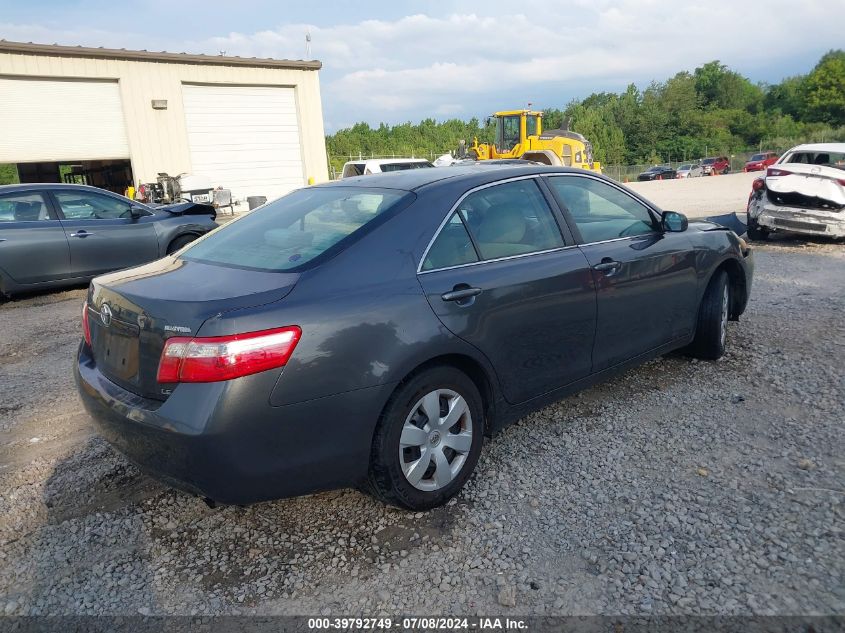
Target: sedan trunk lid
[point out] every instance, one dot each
(809, 186)
(131, 313)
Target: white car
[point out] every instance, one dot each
(690, 170)
(379, 165)
(803, 192)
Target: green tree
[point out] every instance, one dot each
(824, 89)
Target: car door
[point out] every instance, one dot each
(33, 246)
(645, 279)
(102, 233)
(500, 275)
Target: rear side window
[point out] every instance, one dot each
(23, 207)
(291, 231)
(510, 219)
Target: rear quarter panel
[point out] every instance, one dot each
(169, 227)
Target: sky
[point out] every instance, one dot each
(394, 61)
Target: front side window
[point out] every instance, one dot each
(84, 205)
(23, 207)
(510, 219)
(291, 231)
(601, 211)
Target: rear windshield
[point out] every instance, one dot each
(828, 159)
(403, 166)
(286, 234)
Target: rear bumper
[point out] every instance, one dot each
(224, 441)
(795, 220)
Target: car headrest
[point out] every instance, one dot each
(28, 211)
(502, 223)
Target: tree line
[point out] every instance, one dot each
(712, 110)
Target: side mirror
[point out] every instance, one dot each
(673, 222)
(136, 212)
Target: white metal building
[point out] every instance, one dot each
(120, 117)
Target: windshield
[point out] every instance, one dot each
(758, 157)
(684, 167)
(285, 234)
(708, 161)
(826, 159)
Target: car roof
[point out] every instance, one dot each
(29, 186)
(819, 147)
(414, 179)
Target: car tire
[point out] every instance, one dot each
(755, 231)
(179, 242)
(713, 314)
(418, 464)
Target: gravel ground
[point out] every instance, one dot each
(700, 197)
(681, 487)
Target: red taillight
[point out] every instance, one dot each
(86, 329)
(759, 183)
(215, 358)
(774, 171)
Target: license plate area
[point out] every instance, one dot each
(804, 226)
(201, 197)
(118, 350)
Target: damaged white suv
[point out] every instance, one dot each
(803, 192)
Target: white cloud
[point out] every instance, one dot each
(468, 62)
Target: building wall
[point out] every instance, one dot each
(158, 140)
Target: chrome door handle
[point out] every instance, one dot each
(81, 233)
(460, 293)
(607, 266)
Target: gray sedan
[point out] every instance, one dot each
(59, 235)
(368, 332)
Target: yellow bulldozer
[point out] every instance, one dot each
(520, 134)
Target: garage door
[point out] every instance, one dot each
(60, 120)
(245, 138)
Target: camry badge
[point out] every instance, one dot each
(105, 314)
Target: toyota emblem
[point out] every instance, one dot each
(105, 314)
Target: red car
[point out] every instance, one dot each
(716, 165)
(759, 162)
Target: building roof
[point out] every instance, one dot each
(28, 48)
